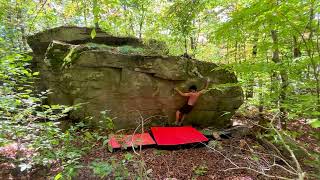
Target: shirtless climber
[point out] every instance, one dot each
(193, 96)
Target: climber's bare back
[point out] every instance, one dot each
(193, 97)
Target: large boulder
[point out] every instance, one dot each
(120, 75)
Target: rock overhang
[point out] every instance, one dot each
(129, 85)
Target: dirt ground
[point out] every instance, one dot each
(212, 160)
(191, 162)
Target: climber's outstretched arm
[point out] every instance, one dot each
(181, 93)
(204, 90)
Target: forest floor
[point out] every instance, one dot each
(199, 161)
(203, 162)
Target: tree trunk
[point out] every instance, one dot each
(249, 90)
(249, 93)
(85, 14)
(283, 97)
(235, 51)
(314, 64)
(318, 49)
(261, 103)
(95, 14)
(185, 46)
(192, 43)
(296, 48)
(141, 23)
(310, 49)
(193, 39)
(22, 28)
(140, 28)
(244, 51)
(96, 25)
(284, 80)
(227, 53)
(275, 58)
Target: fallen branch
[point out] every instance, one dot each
(264, 164)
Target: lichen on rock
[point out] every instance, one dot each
(60, 55)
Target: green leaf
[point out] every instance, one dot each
(128, 156)
(225, 113)
(255, 158)
(36, 73)
(93, 33)
(110, 149)
(88, 135)
(315, 123)
(58, 176)
(101, 169)
(105, 142)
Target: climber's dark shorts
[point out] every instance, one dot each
(186, 109)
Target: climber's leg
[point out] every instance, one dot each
(181, 120)
(178, 116)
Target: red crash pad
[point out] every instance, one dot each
(177, 135)
(118, 141)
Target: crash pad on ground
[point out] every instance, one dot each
(177, 135)
(118, 141)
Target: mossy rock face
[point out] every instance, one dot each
(77, 35)
(120, 78)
